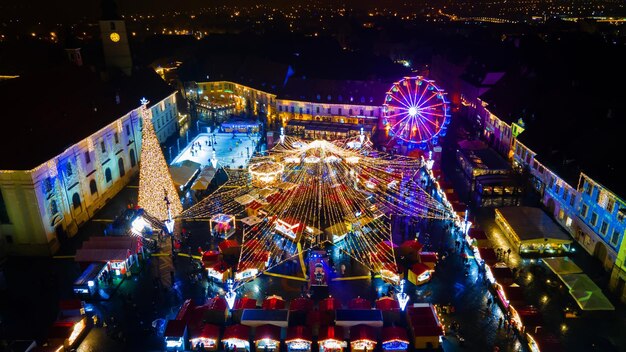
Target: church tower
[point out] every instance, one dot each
(114, 39)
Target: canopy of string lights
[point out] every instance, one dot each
(302, 194)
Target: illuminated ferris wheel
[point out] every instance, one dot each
(416, 111)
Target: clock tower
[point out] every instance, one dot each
(114, 39)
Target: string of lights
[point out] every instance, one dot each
(307, 193)
(155, 181)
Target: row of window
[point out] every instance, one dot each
(317, 110)
(604, 227)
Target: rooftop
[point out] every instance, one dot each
(74, 103)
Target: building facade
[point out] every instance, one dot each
(591, 213)
(40, 206)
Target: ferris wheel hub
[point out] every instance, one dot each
(412, 111)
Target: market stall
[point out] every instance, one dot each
(362, 338)
(330, 303)
(206, 339)
(395, 339)
(359, 303)
(229, 247)
(219, 271)
(175, 335)
(222, 225)
(425, 327)
(387, 303)
(419, 274)
(298, 339)
(531, 230)
(429, 259)
(351, 317)
(257, 317)
(273, 302)
(332, 339)
(410, 250)
(237, 337)
(267, 338)
(301, 304)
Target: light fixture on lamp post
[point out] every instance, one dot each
(403, 298)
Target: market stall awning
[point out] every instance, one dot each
(101, 255)
(394, 333)
(267, 331)
(239, 332)
(586, 293)
(182, 174)
(387, 303)
(301, 304)
(532, 225)
(562, 266)
(298, 333)
(351, 317)
(209, 258)
(256, 317)
(362, 332)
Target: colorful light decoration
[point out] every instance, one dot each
(415, 111)
(154, 177)
(331, 196)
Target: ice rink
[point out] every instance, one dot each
(233, 152)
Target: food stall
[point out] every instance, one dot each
(298, 339)
(229, 247)
(332, 339)
(175, 335)
(219, 271)
(387, 303)
(362, 338)
(267, 338)
(426, 329)
(395, 339)
(502, 274)
(478, 238)
(301, 304)
(359, 303)
(206, 339)
(236, 337)
(411, 249)
(419, 274)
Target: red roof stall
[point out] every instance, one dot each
(237, 336)
(426, 329)
(387, 303)
(298, 339)
(206, 338)
(330, 303)
(332, 338)
(419, 273)
(175, 335)
(502, 274)
(273, 302)
(229, 247)
(267, 338)
(478, 237)
(209, 258)
(245, 303)
(429, 259)
(362, 338)
(395, 339)
(411, 249)
(301, 304)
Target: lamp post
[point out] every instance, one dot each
(403, 298)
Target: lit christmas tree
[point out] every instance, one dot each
(155, 181)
